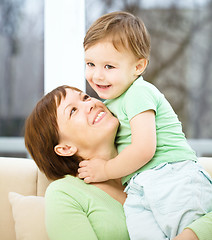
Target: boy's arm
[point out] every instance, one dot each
(133, 157)
(140, 151)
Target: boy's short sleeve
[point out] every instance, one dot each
(139, 99)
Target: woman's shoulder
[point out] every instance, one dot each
(75, 188)
(74, 203)
(68, 190)
(66, 184)
(77, 193)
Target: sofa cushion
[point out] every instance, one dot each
(28, 214)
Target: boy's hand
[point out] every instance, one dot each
(93, 170)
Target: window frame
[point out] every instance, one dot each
(63, 54)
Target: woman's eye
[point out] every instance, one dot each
(109, 67)
(85, 97)
(72, 111)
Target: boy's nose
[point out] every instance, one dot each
(98, 75)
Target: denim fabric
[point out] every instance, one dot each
(162, 201)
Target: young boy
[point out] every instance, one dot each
(166, 189)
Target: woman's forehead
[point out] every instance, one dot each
(72, 95)
(69, 95)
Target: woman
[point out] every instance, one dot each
(65, 127)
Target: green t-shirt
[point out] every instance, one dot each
(76, 210)
(171, 142)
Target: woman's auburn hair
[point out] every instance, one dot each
(124, 30)
(41, 136)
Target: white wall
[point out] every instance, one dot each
(64, 33)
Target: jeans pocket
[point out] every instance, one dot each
(135, 202)
(206, 175)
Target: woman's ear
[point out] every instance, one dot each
(141, 66)
(65, 150)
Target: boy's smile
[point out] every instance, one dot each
(110, 72)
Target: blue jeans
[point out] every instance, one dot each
(162, 201)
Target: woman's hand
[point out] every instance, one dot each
(93, 170)
(186, 234)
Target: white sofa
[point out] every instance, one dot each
(23, 218)
(22, 211)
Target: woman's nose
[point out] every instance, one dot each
(89, 105)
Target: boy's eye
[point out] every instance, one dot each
(90, 64)
(109, 67)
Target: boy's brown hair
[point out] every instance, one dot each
(41, 136)
(124, 30)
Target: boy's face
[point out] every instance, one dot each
(110, 72)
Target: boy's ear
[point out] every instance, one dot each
(141, 66)
(65, 150)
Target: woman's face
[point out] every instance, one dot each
(85, 122)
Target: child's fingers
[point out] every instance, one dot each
(87, 180)
(83, 163)
(83, 175)
(81, 169)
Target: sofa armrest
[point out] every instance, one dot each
(206, 162)
(42, 183)
(16, 175)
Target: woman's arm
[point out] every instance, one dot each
(187, 234)
(200, 229)
(203, 227)
(65, 218)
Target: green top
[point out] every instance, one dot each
(79, 211)
(76, 210)
(171, 142)
(203, 227)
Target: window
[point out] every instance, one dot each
(181, 57)
(25, 74)
(21, 68)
